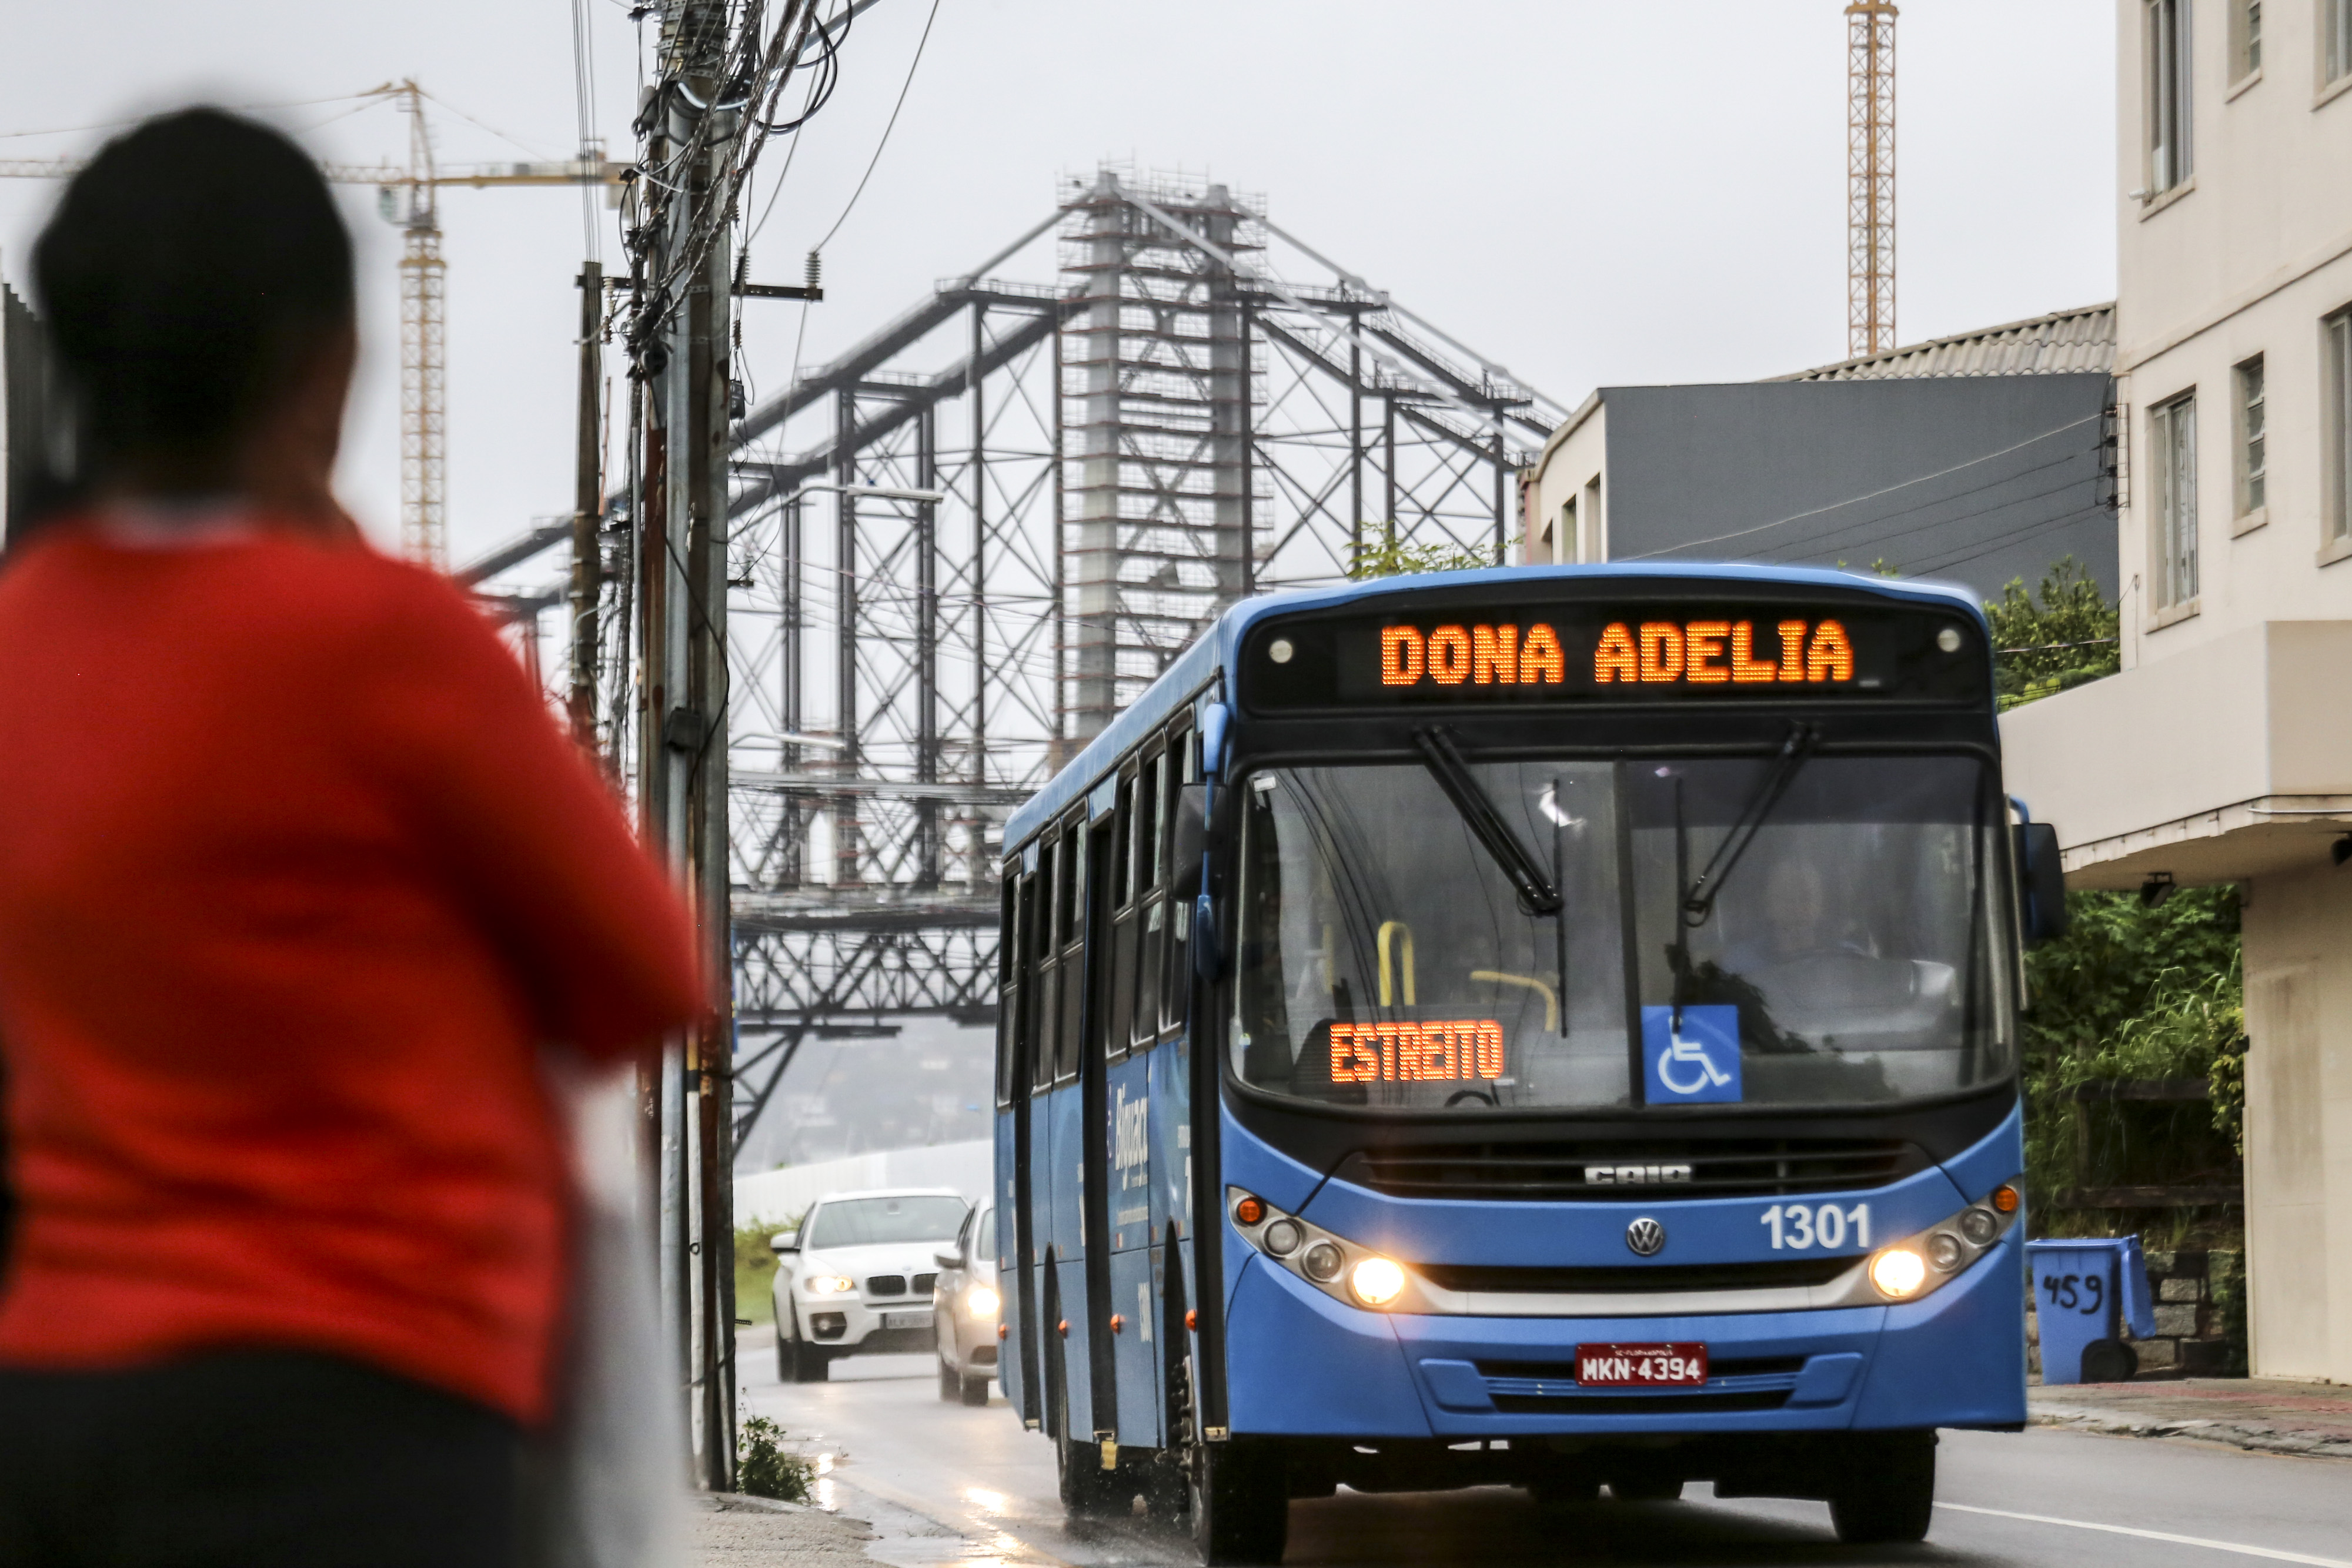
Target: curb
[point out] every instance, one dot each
(768, 1504)
(2263, 1439)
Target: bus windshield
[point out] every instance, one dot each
(1786, 930)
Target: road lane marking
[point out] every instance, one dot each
(2240, 1548)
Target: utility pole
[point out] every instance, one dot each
(683, 380)
(588, 508)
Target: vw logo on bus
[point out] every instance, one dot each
(1646, 1237)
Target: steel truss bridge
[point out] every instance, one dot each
(959, 548)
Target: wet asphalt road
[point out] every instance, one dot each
(944, 1483)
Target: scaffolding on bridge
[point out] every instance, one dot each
(962, 546)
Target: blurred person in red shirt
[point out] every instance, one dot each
(298, 878)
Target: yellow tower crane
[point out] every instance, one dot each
(1870, 177)
(408, 196)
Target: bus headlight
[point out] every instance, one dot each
(979, 1301)
(1377, 1281)
(1339, 1267)
(1898, 1273)
(1924, 1263)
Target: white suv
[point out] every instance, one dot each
(856, 1278)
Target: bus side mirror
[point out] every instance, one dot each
(1190, 836)
(2042, 879)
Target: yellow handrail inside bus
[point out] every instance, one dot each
(1550, 996)
(1388, 992)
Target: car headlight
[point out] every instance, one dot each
(1919, 1265)
(827, 1285)
(1333, 1265)
(980, 1301)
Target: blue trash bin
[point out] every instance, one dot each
(2084, 1290)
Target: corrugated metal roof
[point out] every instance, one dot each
(2063, 342)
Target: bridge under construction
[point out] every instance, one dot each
(956, 550)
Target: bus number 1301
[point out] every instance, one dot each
(1795, 1226)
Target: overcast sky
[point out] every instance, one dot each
(1589, 193)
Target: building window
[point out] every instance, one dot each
(2245, 38)
(2337, 364)
(1563, 539)
(2253, 430)
(2335, 40)
(1591, 546)
(2172, 443)
(2167, 93)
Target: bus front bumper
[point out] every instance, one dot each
(1302, 1363)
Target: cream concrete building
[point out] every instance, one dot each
(2223, 751)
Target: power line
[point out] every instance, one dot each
(886, 129)
(1870, 495)
(584, 92)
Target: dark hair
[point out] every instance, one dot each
(187, 265)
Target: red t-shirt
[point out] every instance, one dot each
(296, 875)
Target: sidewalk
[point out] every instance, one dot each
(732, 1531)
(2247, 1413)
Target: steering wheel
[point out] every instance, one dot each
(1480, 1095)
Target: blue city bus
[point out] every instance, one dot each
(1550, 1027)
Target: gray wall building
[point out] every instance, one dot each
(1977, 459)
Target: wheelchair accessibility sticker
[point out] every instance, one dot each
(1699, 1064)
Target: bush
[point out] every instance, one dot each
(755, 1269)
(1381, 552)
(762, 1468)
(2132, 993)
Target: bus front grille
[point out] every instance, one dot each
(1748, 1167)
(1637, 1279)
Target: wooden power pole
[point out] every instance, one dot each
(588, 508)
(682, 763)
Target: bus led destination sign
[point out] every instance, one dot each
(1654, 652)
(1416, 1052)
(1616, 652)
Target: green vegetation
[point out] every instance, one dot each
(755, 1269)
(2060, 636)
(1379, 552)
(2133, 993)
(762, 1468)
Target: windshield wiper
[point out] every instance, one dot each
(1699, 895)
(1537, 895)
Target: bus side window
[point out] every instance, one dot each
(1111, 934)
(1012, 990)
(1184, 768)
(1043, 1013)
(1127, 923)
(1077, 873)
(1151, 915)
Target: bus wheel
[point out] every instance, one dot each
(1646, 1489)
(1893, 1497)
(1086, 1487)
(1563, 1489)
(1240, 1495)
(801, 1361)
